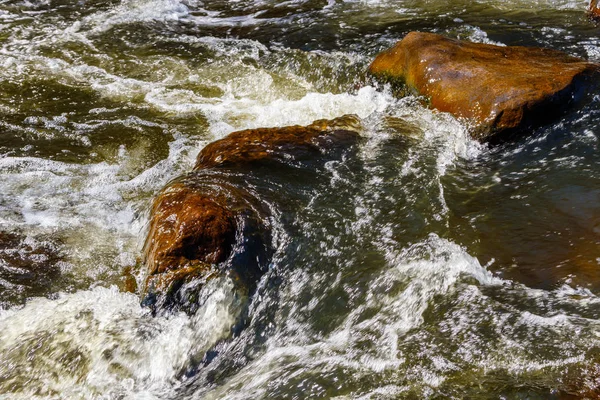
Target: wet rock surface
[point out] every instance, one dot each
(279, 144)
(202, 226)
(188, 232)
(212, 221)
(496, 88)
(189, 226)
(594, 10)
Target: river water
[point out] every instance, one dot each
(418, 264)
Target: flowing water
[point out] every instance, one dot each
(418, 264)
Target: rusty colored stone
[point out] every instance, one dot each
(594, 10)
(495, 88)
(187, 229)
(127, 282)
(196, 220)
(278, 144)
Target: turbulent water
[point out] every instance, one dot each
(420, 264)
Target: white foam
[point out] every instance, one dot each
(426, 270)
(98, 211)
(131, 11)
(430, 268)
(165, 11)
(478, 35)
(592, 49)
(313, 106)
(102, 343)
(223, 47)
(251, 98)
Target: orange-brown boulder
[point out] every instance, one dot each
(594, 10)
(188, 231)
(204, 225)
(495, 88)
(279, 144)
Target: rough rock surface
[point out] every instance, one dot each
(188, 230)
(594, 10)
(496, 88)
(202, 225)
(279, 144)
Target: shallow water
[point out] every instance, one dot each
(417, 264)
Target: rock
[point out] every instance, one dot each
(279, 144)
(187, 228)
(594, 10)
(495, 88)
(205, 225)
(127, 281)
(188, 232)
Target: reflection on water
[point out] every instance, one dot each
(419, 265)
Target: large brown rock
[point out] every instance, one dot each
(188, 232)
(279, 144)
(202, 227)
(495, 88)
(203, 224)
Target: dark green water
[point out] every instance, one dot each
(417, 264)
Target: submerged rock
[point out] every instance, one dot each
(594, 10)
(29, 267)
(495, 88)
(202, 225)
